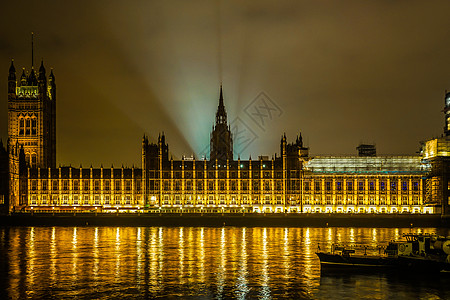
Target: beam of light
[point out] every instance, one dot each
(182, 82)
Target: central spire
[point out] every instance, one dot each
(221, 115)
(221, 137)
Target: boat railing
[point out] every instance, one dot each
(347, 250)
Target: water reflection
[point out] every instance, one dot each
(147, 262)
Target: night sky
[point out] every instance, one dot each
(341, 72)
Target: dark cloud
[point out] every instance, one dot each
(342, 72)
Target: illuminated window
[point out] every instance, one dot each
(245, 185)
(328, 185)
(75, 185)
(317, 185)
(86, 200)
(382, 186)
(75, 200)
(128, 185)
(415, 186)
(27, 126)
(306, 185)
(96, 200)
(404, 185)
(200, 185)
(394, 200)
(405, 200)
(65, 200)
(349, 186)
(55, 185)
(117, 187)
(96, 185)
(33, 185)
(371, 186)
(21, 126)
(360, 200)
(107, 198)
(33, 126)
(44, 200)
(138, 185)
(393, 186)
(65, 185)
(44, 185)
(360, 186)
(107, 185)
(350, 200)
(86, 184)
(338, 185)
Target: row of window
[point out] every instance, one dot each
(221, 185)
(339, 186)
(86, 185)
(220, 174)
(27, 126)
(360, 201)
(86, 200)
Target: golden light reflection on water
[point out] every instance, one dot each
(221, 262)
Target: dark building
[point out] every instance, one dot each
(366, 150)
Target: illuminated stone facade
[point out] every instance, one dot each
(289, 182)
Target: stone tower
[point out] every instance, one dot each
(221, 139)
(32, 115)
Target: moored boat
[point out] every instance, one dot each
(420, 252)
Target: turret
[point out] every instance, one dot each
(12, 79)
(23, 78)
(32, 80)
(42, 80)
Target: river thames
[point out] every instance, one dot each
(197, 262)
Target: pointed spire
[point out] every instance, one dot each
(41, 68)
(23, 78)
(52, 77)
(32, 49)
(12, 69)
(221, 115)
(221, 96)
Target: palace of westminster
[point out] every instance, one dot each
(290, 182)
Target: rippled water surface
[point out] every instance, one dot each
(195, 262)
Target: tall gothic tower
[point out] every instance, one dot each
(447, 114)
(32, 115)
(221, 139)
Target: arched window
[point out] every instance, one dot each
(33, 126)
(21, 126)
(33, 161)
(27, 126)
